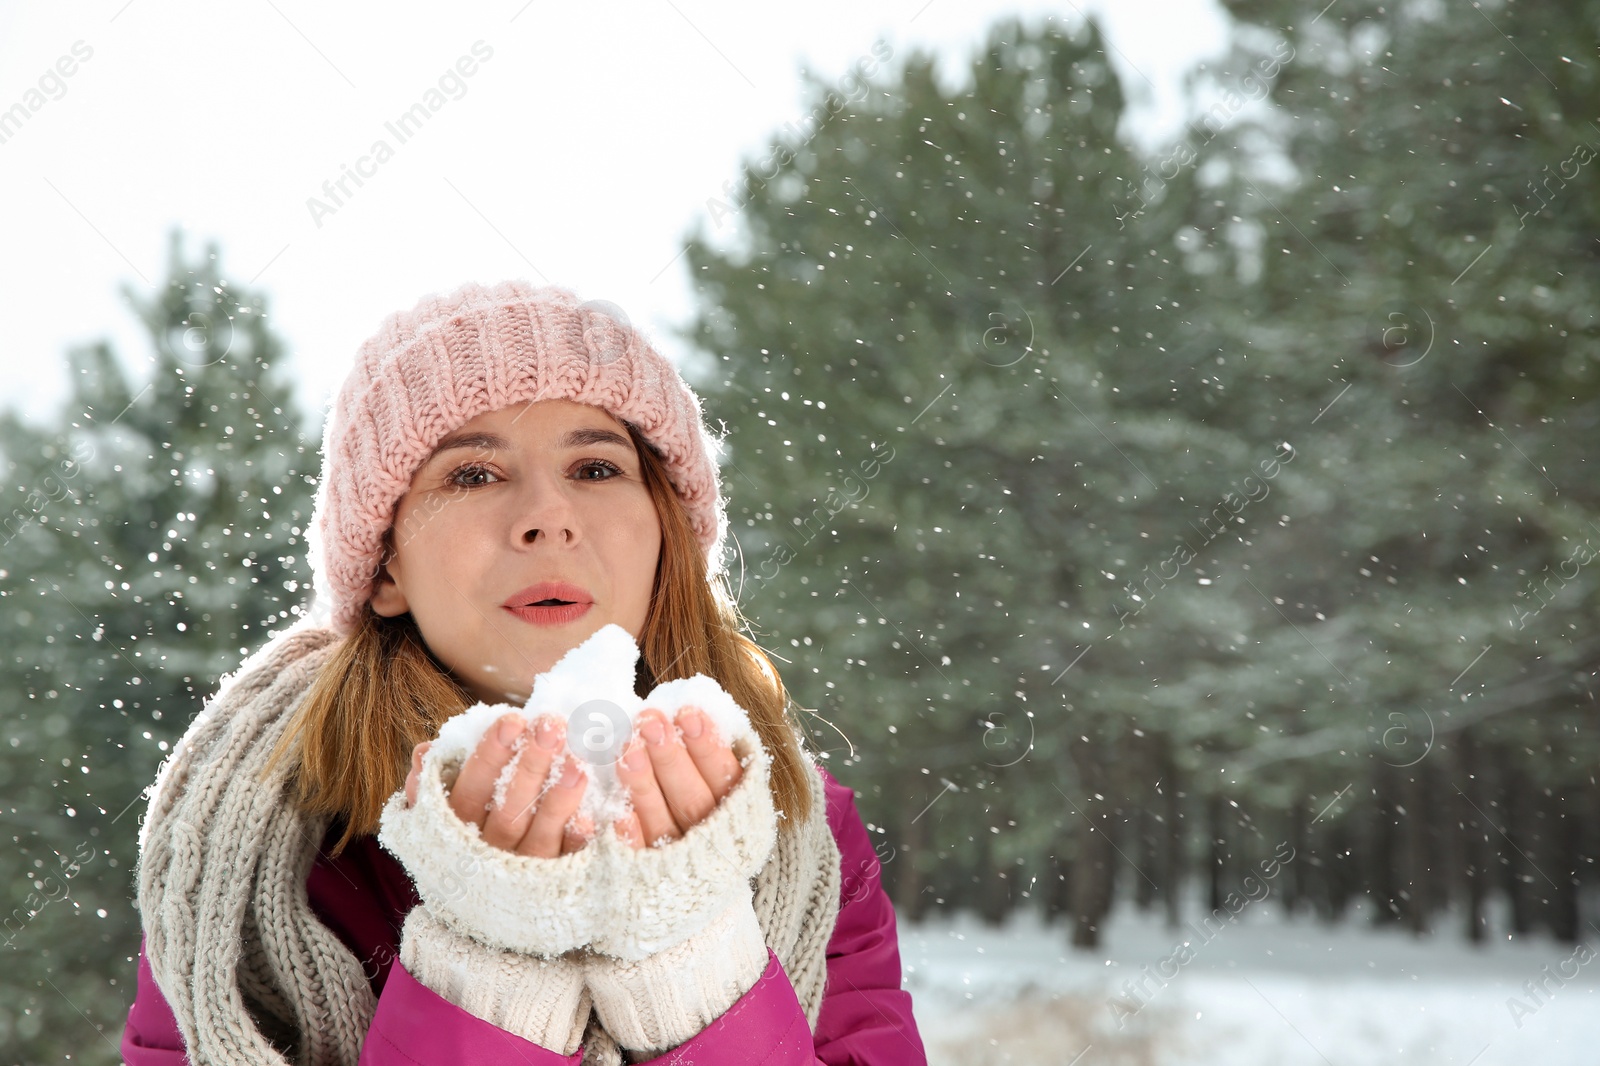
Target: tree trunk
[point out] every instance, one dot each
(1142, 772)
(1339, 873)
(1294, 875)
(1146, 839)
(993, 884)
(1216, 851)
(1384, 863)
(1416, 830)
(1172, 864)
(1513, 813)
(1053, 890)
(1565, 843)
(1475, 849)
(1092, 867)
(905, 879)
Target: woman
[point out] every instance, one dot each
(505, 472)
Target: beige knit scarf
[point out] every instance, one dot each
(250, 972)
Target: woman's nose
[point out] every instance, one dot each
(546, 508)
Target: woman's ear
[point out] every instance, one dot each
(388, 601)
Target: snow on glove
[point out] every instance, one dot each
(624, 902)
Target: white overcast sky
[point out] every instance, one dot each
(581, 152)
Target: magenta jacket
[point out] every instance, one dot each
(365, 894)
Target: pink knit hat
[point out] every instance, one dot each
(479, 349)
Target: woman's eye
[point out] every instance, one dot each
(612, 470)
(459, 473)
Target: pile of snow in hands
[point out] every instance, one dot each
(591, 689)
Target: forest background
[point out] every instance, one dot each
(1125, 519)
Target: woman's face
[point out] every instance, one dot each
(547, 492)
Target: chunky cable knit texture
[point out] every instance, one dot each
(662, 1000)
(251, 974)
(480, 349)
(542, 1000)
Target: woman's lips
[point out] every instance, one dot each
(551, 616)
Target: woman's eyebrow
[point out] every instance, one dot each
(576, 438)
(591, 435)
(470, 440)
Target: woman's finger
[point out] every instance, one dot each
(718, 765)
(555, 806)
(649, 805)
(416, 772)
(508, 822)
(682, 786)
(474, 786)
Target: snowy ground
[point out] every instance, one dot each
(1261, 991)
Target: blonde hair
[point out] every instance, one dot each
(382, 691)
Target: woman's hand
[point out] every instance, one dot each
(517, 826)
(675, 782)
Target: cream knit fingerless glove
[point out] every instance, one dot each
(661, 1001)
(539, 999)
(671, 969)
